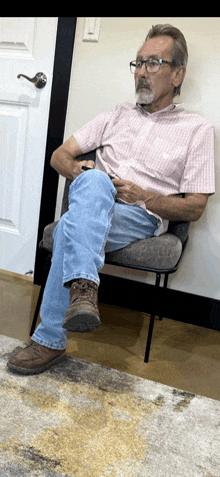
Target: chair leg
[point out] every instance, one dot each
(151, 325)
(150, 332)
(166, 276)
(37, 309)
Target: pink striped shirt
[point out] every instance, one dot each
(168, 152)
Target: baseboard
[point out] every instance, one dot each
(180, 306)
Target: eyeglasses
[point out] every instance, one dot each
(152, 65)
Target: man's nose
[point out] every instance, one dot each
(143, 67)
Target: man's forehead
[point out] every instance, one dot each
(158, 45)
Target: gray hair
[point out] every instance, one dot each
(179, 51)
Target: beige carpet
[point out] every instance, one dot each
(80, 419)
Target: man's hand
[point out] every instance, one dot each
(128, 191)
(78, 167)
(64, 159)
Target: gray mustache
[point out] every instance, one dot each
(142, 83)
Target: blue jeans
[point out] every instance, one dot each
(95, 223)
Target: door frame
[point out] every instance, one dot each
(66, 28)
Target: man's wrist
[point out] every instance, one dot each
(151, 200)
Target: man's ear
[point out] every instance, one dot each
(178, 75)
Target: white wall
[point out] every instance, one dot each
(101, 78)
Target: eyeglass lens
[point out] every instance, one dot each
(152, 66)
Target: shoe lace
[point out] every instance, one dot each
(37, 349)
(84, 289)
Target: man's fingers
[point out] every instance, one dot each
(90, 164)
(118, 182)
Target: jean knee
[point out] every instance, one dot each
(95, 179)
(95, 175)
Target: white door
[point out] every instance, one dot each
(27, 46)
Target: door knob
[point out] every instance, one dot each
(39, 80)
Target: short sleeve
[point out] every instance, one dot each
(89, 137)
(199, 172)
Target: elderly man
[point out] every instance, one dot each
(146, 154)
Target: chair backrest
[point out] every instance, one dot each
(178, 228)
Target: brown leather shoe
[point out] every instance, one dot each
(34, 358)
(83, 314)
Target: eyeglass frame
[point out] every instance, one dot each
(171, 63)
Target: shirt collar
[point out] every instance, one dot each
(171, 107)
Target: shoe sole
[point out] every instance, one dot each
(82, 322)
(29, 371)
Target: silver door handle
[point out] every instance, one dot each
(39, 80)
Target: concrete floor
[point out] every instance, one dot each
(182, 356)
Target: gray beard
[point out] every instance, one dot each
(144, 98)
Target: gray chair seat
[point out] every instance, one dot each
(161, 253)
(47, 241)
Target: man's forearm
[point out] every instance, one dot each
(68, 166)
(63, 163)
(189, 208)
(64, 159)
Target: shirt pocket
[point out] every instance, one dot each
(166, 157)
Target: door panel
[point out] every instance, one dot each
(27, 46)
(17, 35)
(13, 120)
